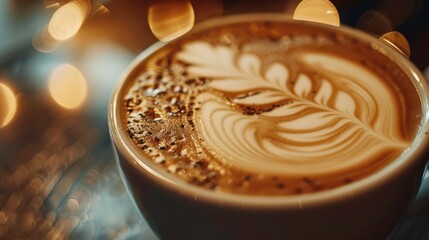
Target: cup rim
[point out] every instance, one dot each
(414, 154)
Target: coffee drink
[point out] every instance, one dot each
(270, 108)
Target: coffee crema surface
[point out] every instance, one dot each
(270, 108)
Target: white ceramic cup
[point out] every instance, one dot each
(366, 209)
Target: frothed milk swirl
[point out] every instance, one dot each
(270, 108)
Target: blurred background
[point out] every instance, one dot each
(59, 62)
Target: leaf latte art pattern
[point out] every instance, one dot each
(313, 113)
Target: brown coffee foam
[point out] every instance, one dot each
(195, 162)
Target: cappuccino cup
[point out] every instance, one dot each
(263, 127)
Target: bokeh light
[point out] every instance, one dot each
(100, 8)
(43, 41)
(398, 42)
(68, 19)
(171, 20)
(8, 105)
(68, 87)
(321, 11)
(375, 22)
(51, 3)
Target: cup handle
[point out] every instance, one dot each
(320, 11)
(398, 42)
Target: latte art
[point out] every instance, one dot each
(340, 119)
(270, 108)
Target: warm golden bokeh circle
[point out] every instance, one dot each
(8, 105)
(67, 86)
